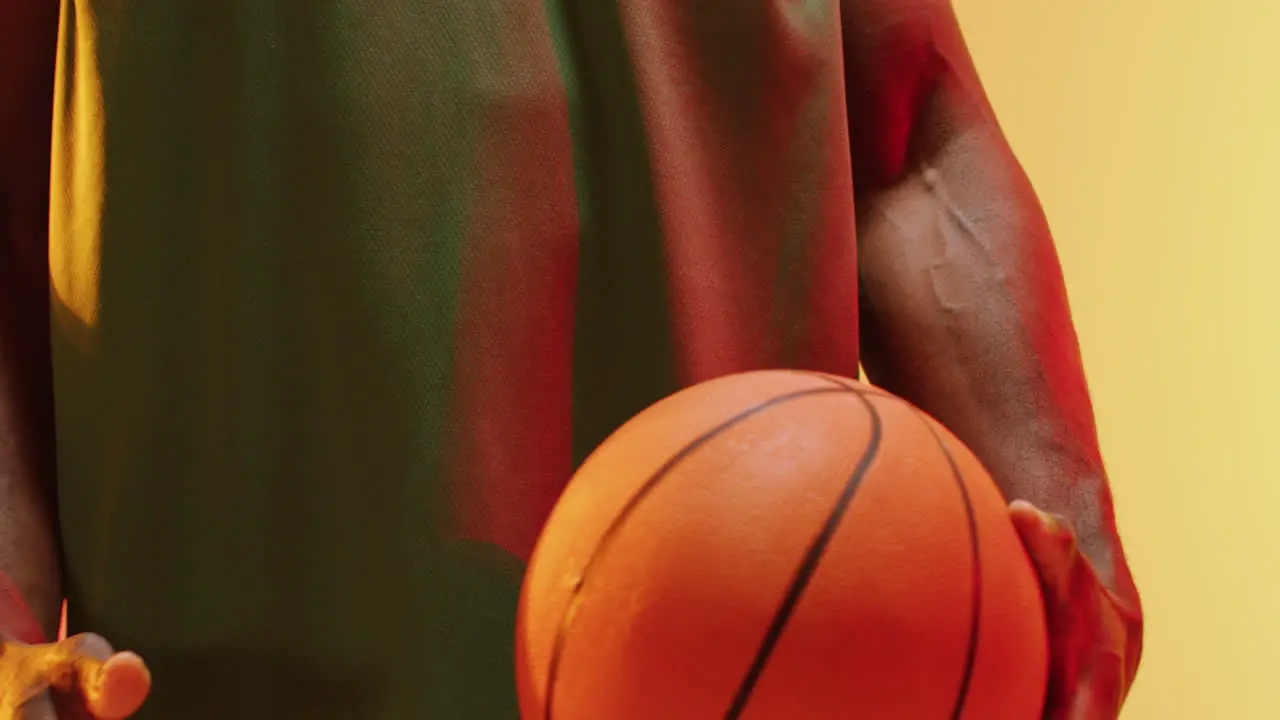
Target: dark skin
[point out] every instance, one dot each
(27, 523)
(964, 313)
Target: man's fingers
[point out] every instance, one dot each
(84, 675)
(116, 688)
(1051, 542)
(67, 661)
(1048, 540)
(110, 685)
(1031, 521)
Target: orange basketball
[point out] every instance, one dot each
(781, 546)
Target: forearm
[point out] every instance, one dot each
(966, 314)
(28, 555)
(29, 587)
(28, 522)
(27, 513)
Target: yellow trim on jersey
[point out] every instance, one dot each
(76, 192)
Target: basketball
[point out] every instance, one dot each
(781, 545)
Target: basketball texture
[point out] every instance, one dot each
(786, 546)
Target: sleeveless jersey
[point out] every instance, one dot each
(344, 290)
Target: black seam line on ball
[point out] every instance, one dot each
(809, 565)
(861, 387)
(975, 610)
(611, 532)
(975, 620)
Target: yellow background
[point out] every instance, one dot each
(1152, 131)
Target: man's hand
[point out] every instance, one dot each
(80, 678)
(1095, 638)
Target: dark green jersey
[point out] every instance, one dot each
(344, 289)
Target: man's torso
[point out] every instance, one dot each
(343, 291)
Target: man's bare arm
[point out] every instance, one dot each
(964, 307)
(28, 548)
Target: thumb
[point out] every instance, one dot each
(108, 685)
(1051, 543)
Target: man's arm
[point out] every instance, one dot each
(964, 307)
(28, 549)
